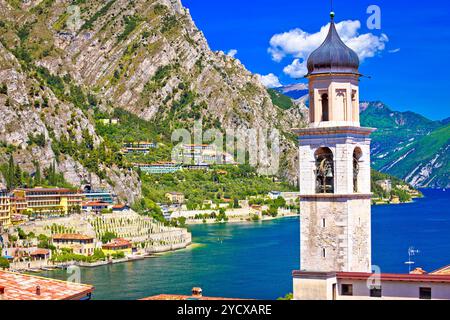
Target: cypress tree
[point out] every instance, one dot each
(10, 178)
(37, 175)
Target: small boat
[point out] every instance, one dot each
(33, 270)
(48, 268)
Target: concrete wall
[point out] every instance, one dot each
(322, 286)
(310, 288)
(392, 290)
(340, 223)
(343, 100)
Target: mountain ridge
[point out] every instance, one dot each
(146, 57)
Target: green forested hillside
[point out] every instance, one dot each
(409, 146)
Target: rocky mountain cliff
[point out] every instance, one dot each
(66, 64)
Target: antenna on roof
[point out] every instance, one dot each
(411, 252)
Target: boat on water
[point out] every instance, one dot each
(48, 268)
(34, 270)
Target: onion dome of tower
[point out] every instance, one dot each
(333, 56)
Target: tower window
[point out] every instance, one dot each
(325, 108)
(376, 292)
(324, 253)
(347, 290)
(324, 223)
(355, 106)
(425, 293)
(357, 154)
(324, 171)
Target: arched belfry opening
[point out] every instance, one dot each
(325, 107)
(324, 170)
(357, 155)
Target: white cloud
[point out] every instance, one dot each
(394, 51)
(270, 80)
(296, 69)
(232, 53)
(299, 44)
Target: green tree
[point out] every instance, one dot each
(4, 263)
(108, 236)
(280, 202)
(287, 297)
(236, 203)
(37, 174)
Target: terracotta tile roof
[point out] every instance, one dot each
(119, 206)
(55, 190)
(71, 237)
(40, 252)
(172, 297)
(95, 204)
(23, 287)
(117, 243)
(418, 271)
(442, 271)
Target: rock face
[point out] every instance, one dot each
(21, 117)
(143, 56)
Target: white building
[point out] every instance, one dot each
(367, 286)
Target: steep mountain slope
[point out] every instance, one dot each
(68, 64)
(298, 92)
(30, 111)
(409, 146)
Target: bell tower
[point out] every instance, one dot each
(334, 165)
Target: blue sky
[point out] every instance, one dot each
(416, 77)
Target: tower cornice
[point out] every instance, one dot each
(333, 74)
(330, 131)
(335, 197)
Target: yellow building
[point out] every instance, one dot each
(47, 201)
(116, 246)
(78, 243)
(175, 197)
(5, 209)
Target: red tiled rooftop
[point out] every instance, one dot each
(55, 190)
(172, 297)
(23, 287)
(442, 271)
(117, 243)
(71, 237)
(395, 277)
(95, 204)
(40, 252)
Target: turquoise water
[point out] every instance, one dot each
(255, 260)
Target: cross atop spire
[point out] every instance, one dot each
(332, 14)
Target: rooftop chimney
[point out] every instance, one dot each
(38, 290)
(197, 292)
(2, 293)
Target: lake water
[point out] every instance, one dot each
(255, 260)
